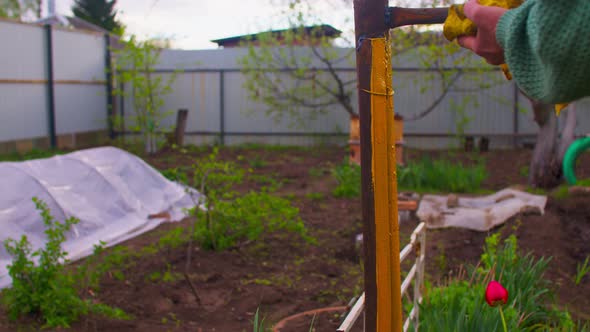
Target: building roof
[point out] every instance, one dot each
(321, 30)
(71, 22)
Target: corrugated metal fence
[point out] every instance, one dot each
(52, 83)
(209, 83)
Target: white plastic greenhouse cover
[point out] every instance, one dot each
(111, 191)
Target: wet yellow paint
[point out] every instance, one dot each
(389, 313)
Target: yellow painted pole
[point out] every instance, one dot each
(387, 264)
(373, 19)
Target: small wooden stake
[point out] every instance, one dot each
(181, 118)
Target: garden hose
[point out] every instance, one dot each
(571, 155)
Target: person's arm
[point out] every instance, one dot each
(546, 44)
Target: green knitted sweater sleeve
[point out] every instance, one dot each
(547, 48)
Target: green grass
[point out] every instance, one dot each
(425, 175)
(562, 192)
(428, 175)
(581, 271)
(33, 154)
(269, 147)
(314, 196)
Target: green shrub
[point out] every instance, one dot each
(460, 306)
(440, 176)
(40, 286)
(175, 174)
(228, 217)
(246, 218)
(348, 177)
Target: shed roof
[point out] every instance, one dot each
(321, 30)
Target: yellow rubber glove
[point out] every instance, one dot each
(458, 25)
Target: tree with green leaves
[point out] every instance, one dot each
(99, 12)
(20, 9)
(288, 78)
(301, 83)
(135, 68)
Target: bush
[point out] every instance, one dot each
(348, 177)
(460, 306)
(45, 289)
(227, 217)
(246, 218)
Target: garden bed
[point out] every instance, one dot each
(283, 275)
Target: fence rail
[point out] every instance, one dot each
(416, 274)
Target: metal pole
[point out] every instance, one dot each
(122, 106)
(221, 108)
(397, 16)
(109, 85)
(50, 87)
(373, 19)
(379, 190)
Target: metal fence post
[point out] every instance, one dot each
(221, 108)
(50, 86)
(109, 85)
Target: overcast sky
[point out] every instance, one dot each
(193, 23)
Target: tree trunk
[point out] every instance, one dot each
(545, 168)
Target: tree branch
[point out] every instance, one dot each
(438, 100)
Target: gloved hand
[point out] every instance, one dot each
(474, 27)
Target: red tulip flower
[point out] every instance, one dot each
(496, 294)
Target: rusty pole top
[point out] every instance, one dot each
(396, 16)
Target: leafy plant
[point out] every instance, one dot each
(246, 218)
(175, 174)
(459, 306)
(135, 68)
(316, 172)
(523, 171)
(258, 322)
(314, 196)
(227, 217)
(40, 286)
(348, 177)
(581, 271)
(257, 162)
(269, 183)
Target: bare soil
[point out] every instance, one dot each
(282, 275)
